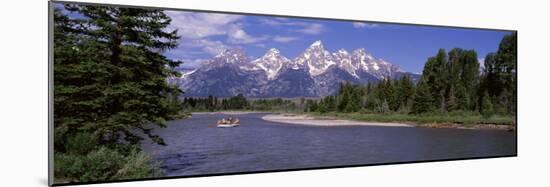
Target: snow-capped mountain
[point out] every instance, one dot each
(315, 72)
(271, 63)
(375, 66)
(227, 74)
(315, 59)
(232, 57)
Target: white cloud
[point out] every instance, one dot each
(192, 63)
(313, 28)
(272, 22)
(284, 39)
(301, 27)
(201, 25)
(239, 36)
(364, 25)
(209, 46)
(191, 48)
(197, 29)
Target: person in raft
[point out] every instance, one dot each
(226, 121)
(230, 120)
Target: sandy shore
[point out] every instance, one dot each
(227, 112)
(308, 120)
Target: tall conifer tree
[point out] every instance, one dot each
(111, 76)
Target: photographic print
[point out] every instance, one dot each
(151, 93)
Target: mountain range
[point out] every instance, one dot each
(315, 72)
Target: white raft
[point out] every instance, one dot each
(226, 125)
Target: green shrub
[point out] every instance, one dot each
(138, 165)
(102, 165)
(81, 143)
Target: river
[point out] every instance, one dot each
(196, 147)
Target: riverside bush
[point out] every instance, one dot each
(103, 165)
(81, 143)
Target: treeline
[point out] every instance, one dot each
(239, 102)
(109, 87)
(450, 81)
(382, 97)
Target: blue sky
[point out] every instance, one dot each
(203, 35)
(206, 34)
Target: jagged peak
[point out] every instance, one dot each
(343, 51)
(317, 43)
(363, 53)
(273, 51)
(231, 51)
(232, 55)
(360, 50)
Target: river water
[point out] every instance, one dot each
(196, 147)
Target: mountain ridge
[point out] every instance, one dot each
(315, 72)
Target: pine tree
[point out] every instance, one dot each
(355, 100)
(500, 74)
(384, 107)
(470, 77)
(390, 95)
(490, 79)
(434, 76)
(404, 91)
(487, 105)
(507, 64)
(322, 106)
(423, 100)
(453, 79)
(311, 106)
(452, 103)
(330, 103)
(463, 99)
(455, 66)
(344, 97)
(110, 73)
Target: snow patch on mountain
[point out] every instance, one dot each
(187, 73)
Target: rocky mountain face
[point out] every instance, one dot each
(315, 72)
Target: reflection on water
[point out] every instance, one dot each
(196, 146)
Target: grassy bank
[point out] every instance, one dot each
(466, 119)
